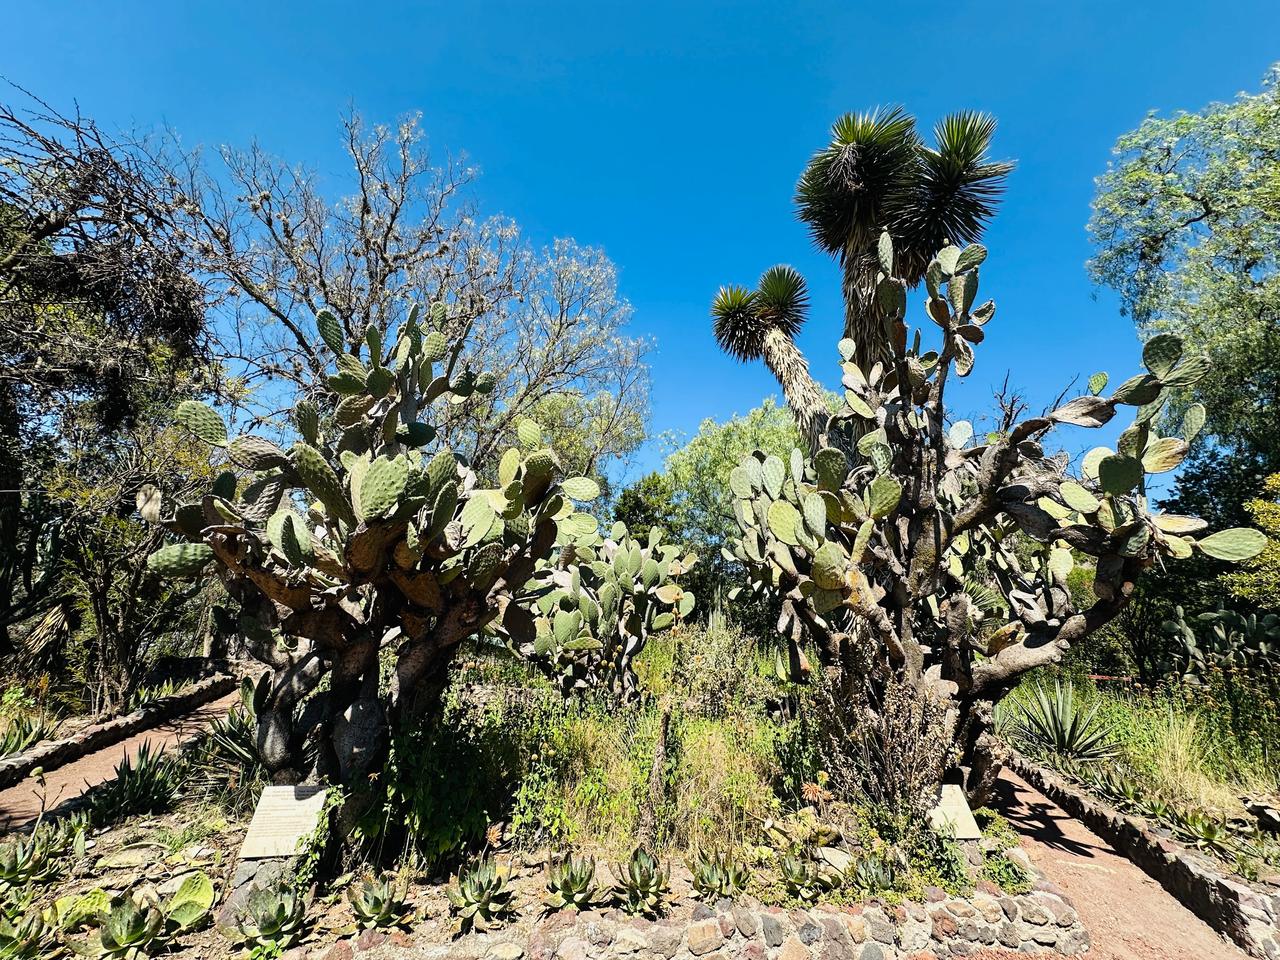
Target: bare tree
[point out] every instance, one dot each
(545, 323)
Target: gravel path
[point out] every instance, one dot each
(1128, 915)
(19, 805)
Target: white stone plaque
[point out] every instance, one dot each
(283, 821)
(952, 814)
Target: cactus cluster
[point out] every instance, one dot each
(888, 545)
(717, 874)
(592, 608)
(1226, 640)
(365, 533)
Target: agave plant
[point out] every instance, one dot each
(1051, 721)
(802, 878)
(380, 901)
(134, 927)
(24, 731)
(145, 783)
(1205, 832)
(144, 696)
(640, 884)
(874, 874)
(273, 917)
(28, 937)
(571, 883)
(26, 861)
(481, 899)
(717, 875)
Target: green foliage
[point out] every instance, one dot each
(571, 883)
(481, 899)
(1186, 221)
(1259, 579)
(380, 901)
(147, 782)
(640, 884)
(144, 696)
(27, 937)
(1050, 720)
(226, 764)
(1225, 640)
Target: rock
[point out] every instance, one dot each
(944, 927)
(702, 912)
(601, 932)
(1009, 935)
(1035, 914)
(507, 950)
(856, 924)
(630, 940)
(793, 949)
(371, 938)
(960, 909)
(745, 921)
(808, 932)
(774, 929)
(665, 939)
(704, 936)
(340, 951)
(573, 948)
(872, 951)
(754, 950)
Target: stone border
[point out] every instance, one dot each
(56, 753)
(1249, 915)
(1040, 922)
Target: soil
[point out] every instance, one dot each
(1128, 915)
(21, 804)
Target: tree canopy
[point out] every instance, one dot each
(1187, 223)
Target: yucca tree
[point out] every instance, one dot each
(762, 324)
(876, 175)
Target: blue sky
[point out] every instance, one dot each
(671, 135)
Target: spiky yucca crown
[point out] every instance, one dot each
(878, 174)
(742, 318)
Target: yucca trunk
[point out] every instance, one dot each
(863, 323)
(803, 395)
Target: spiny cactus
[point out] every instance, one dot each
(364, 534)
(640, 884)
(875, 543)
(571, 883)
(591, 609)
(481, 898)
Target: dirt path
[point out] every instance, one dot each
(1128, 915)
(21, 804)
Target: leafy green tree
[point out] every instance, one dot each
(1259, 581)
(1187, 223)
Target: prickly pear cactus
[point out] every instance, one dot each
(364, 535)
(591, 609)
(909, 547)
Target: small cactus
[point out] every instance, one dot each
(273, 917)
